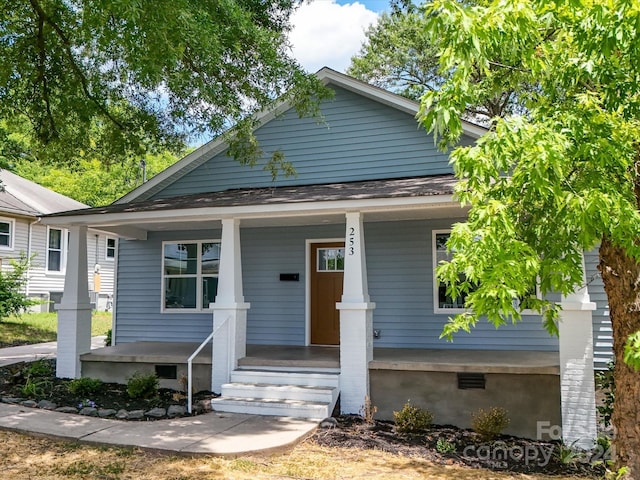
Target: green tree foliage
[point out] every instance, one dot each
(113, 80)
(92, 182)
(562, 179)
(401, 56)
(13, 298)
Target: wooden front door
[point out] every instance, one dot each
(327, 267)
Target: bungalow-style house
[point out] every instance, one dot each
(22, 202)
(276, 272)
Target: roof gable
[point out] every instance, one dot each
(24, 197)
(166, 183)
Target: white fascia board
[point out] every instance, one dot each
(278, 210)
(327, 75)
(205, 152)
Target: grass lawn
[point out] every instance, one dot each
(42, 327)
(25, 457)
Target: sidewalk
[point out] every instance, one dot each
(30, 353)
(212, 433)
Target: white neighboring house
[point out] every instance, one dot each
(22, 202)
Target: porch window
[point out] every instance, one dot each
(190, 271)
(443, 302)
(6, 233)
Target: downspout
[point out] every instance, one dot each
(114, 297)
(29, 248)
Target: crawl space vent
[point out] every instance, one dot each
(471, 380)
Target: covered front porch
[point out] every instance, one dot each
(264, 239)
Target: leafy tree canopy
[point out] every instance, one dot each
(115, 79)
(400, 55)
(90, 181)
(561, 179)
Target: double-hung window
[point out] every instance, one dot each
(56, 249)
(110, 250)
(443, 302)
(6, 233)
(190, 274)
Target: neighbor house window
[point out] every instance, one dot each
(56, 243)
(6, 233)
(443, 302)
(111, 248)
(190, 274)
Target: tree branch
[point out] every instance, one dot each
(76, 69)
(42, 76)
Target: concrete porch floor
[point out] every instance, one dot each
(406, 359)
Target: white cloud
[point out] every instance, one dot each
(328, 34)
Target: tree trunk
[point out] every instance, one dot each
(621, 276)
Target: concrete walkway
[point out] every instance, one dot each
(30, 353)
(212, 433)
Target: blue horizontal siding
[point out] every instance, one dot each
(400, 283)
(361, 140)
(139, 293)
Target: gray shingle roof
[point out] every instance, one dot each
(24, 197)
(390, 188)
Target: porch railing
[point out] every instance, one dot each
(190, 363)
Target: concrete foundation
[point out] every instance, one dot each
(529, 398)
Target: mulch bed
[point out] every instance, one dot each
(442, 444)
(110, 396)
(448, 445)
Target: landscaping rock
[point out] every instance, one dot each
(106, 412)
(12, 400)
(204, 405)
(156, 412)
(29, 403)
(135, 415)
(122, 414)
(89, 412)
(176, 411)
(67, 410)
(47, 405)
(329, 422)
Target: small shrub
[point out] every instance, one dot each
(568, 454)
(412, 419)
(445, 446)
(606, 384)
(85, 387)
(107, 341)
(38, 369)
(36, 387)
(142, 385)
(489, 424)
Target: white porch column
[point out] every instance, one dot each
(356, 320)
(74, 310)
(577, 385)
(230, 310)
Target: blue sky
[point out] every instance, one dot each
(329, 32)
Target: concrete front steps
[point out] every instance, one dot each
(287, 393)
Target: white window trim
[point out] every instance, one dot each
(197, 276)
(64, 247)
(106, 249)
(436, 283)
(12, 233)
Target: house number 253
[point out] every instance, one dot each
(352, 241)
